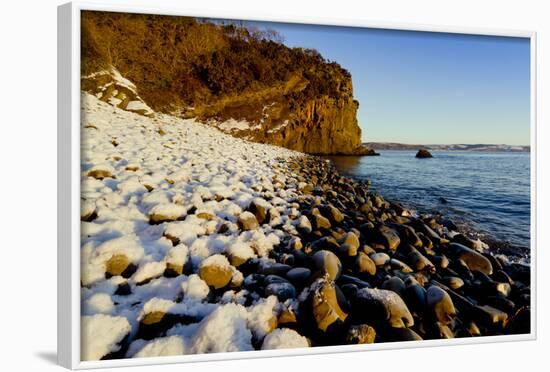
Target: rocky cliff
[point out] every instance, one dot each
(244, 82)
(315, 125)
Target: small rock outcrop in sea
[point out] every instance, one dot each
(423, 154)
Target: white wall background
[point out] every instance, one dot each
(28, 181)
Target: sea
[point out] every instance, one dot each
(485, 194)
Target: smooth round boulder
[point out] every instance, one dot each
(415, 295)
(205, 215)
(419, 262)
(216, 271)
(440, 261)
(380, 258)
(351, 239)
(259, 210)
(367, 249)
(394, 284)
(298, 275)
(401, 266)
(247, 221)
(410, 236)
(388, 237)
(383, 306)
(474, 260)
(304, 225)
(166, 213)
(453, 282)
(364, 264)
(335, 214)
(319, 221)
(328, 263)
(324, 304)
(283, 290)
(119, 264)
(347, 250)
(274, 268)
(327, 243)
(441, 304)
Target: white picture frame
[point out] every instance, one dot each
(69, 187)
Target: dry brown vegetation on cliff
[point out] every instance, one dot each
(213, 70)
(186, 61)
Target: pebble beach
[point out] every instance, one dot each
(194, 241)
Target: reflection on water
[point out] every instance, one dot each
(489, 192)
(346, 164)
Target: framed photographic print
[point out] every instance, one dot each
(235, 188)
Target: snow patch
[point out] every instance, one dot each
(101, 335)
(284, 338)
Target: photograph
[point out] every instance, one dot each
(251, 185)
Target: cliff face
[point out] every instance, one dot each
(246, 83)
(321, 125)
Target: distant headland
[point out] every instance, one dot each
(450, 147)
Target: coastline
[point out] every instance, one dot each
(484, 203)
(186, 230)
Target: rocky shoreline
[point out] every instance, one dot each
(447, 284)
(195, 242)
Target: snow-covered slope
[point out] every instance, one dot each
(110, 86)
(159, 196)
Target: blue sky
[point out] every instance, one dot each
(427, 88)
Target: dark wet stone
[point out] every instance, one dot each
(388, 237)
(274, 269)
(520, 323)
(348, 279)
(423, 154)
(299, 276)
(394, 284)
(259, 211)
(474, 260)
(402, 334)
(327, 243)
(283, 290)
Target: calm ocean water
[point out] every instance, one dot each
(487, 193)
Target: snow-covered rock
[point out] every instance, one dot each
(223, 330)
(216, 271)
(101, 335)
(164, 346)
(284, 338)
(195, 288)
(159, 206)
